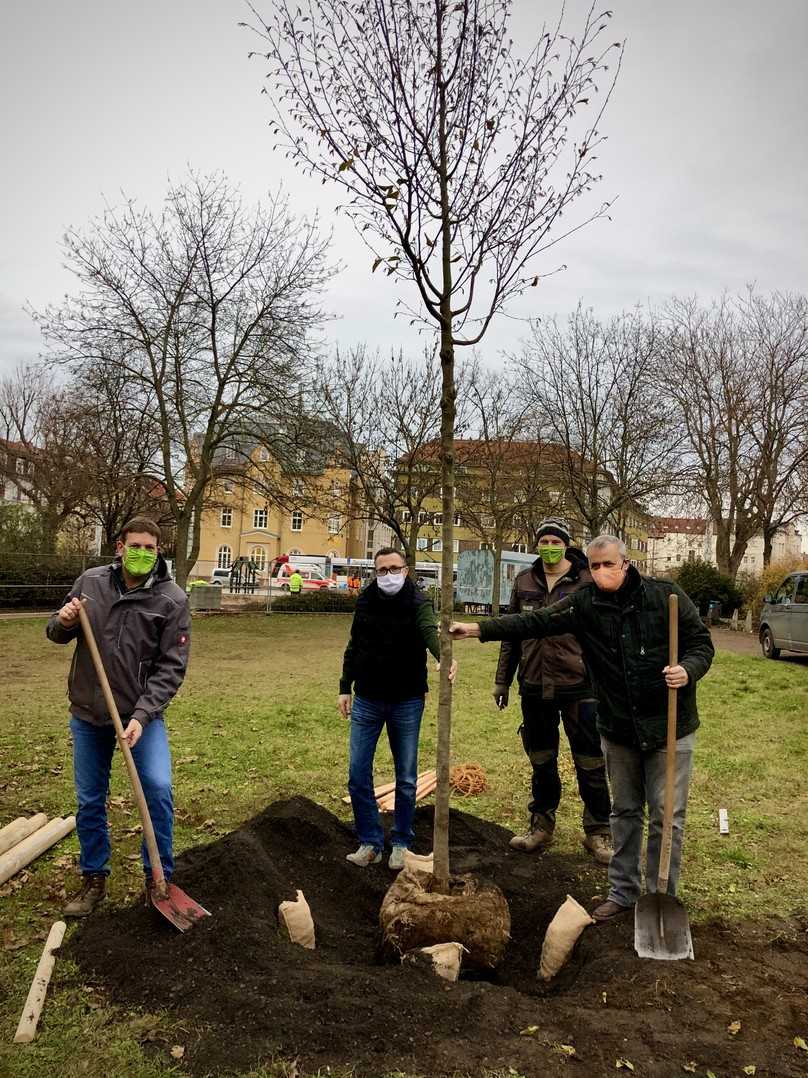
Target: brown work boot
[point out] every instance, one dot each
(609, 911)
(93, 889)
(535, 838)
(600, 846)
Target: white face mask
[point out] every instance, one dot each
(391, 585)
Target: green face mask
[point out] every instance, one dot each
(139, 562)
(551, 555)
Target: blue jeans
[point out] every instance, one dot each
(93, 747)
(637, 778)
(403, 721)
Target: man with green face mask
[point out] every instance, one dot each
(141, 622)
(554, 688)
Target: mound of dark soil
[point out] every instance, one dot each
(250, 994)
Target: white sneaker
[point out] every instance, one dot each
(396, 861)
(365, 855)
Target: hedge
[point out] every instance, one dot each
(327, 600)
(39, 583)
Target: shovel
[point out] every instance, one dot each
(166, 897)
(661, 927)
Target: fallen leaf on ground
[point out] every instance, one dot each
(690, 1067)
(734, 1027)
(564, 1049)
(800, 1043)
(751, 1069)
(178, 1051)
(529, 1031)
(710, 1074)
(624, 1064)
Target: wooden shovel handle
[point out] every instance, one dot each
(670, 751)
(148, 830)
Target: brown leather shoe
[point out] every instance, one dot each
(536, 838)
(600, 846)
(93, 890)
(609, 911)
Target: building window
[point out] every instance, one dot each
(423, 517)
(437, 545)
(263, 454)
(259, 556)
(297, 521)
(223, 557)
(406, 516)
(336, 490)
(334, 524)
(519, 548)
(420, 544)
(456, 546)
(297, 488)
(260, 518)
(231, 453)
(20, 466)
(437, 519)
(485, 546)
(226, 521)
(227, 486)
(457, 520)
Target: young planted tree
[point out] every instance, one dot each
(207, 310)
(458, 158)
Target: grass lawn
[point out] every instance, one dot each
(256, 721)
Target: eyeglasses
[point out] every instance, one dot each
(394, 570)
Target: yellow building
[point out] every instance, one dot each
(254, 510)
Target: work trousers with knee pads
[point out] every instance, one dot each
(540, 737)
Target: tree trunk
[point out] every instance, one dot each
(768, 543)
(183, 560)
(496, 585)
(722, 546)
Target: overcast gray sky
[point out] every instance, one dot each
(707, 150)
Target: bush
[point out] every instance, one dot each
(767, 582)
(704, 584)
(327, 600)
(36, 582)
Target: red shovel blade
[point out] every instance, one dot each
(178, 907)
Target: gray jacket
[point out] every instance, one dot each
(143, 636)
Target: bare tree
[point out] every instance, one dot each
(778, 328)
(498, 484)
(208, 310)
(387, 413)
(446, 143)
(50, 458)
(596, 399)
(708, 368)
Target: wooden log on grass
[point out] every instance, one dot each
(26, 1030)
(19, 829)
(30, 848)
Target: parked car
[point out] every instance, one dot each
(784, 618)
(220, 576)
(313, 579)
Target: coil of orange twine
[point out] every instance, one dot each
(467, 779)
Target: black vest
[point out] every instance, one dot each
(389, 651)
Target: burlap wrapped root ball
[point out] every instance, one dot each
(475, 914)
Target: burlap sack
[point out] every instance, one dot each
(561, 936)
(443, 958)
(297, 919)
(424, 862)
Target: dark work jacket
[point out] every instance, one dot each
(386, 655)
(624, 639)
(553, 666)
(143, 636)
